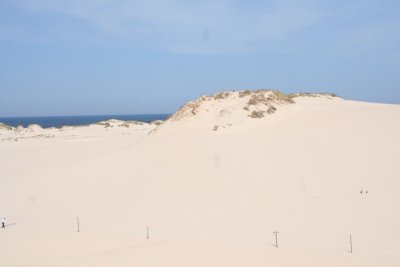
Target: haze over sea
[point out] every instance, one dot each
(58, 121)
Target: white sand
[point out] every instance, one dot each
(211, 196)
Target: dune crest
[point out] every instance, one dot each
(232, 108)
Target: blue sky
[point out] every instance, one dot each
(75, 57)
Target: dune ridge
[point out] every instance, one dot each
(255, 102)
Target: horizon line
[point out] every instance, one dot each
(93, 115)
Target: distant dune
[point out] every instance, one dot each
(209, 186)
(103, 129)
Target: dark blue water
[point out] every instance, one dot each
(59, 121)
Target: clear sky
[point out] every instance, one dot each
(84, 57)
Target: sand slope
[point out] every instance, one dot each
(212, 196)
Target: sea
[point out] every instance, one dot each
(59, 121)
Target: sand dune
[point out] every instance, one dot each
(212, 183)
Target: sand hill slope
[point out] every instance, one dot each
(212, 183)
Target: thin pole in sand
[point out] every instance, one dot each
(77, 220)
(276, 238)
(148, 234)
(351, 245)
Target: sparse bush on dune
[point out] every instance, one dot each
(244, 93)
(256, 99)
(271, 109)
(189, 107)
(5, 127)
(118, 123)
(221, 95)
(128, 124)
(134, 122)
(157, 122)
(268, 97)
(329, 95)
(106, 124)
(281, 97)
(257, 114)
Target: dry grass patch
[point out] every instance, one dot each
(256, 99)
(244, 93)
(329, 95)
(271, 109)
(5, 127)
(269, 99)
(221, 95)
(257, 114)
(157, 122)
(190, 108)
(106, 124)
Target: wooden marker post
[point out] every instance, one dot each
(276, 238)
(148, 234)
(351, 245)
(77, 220)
